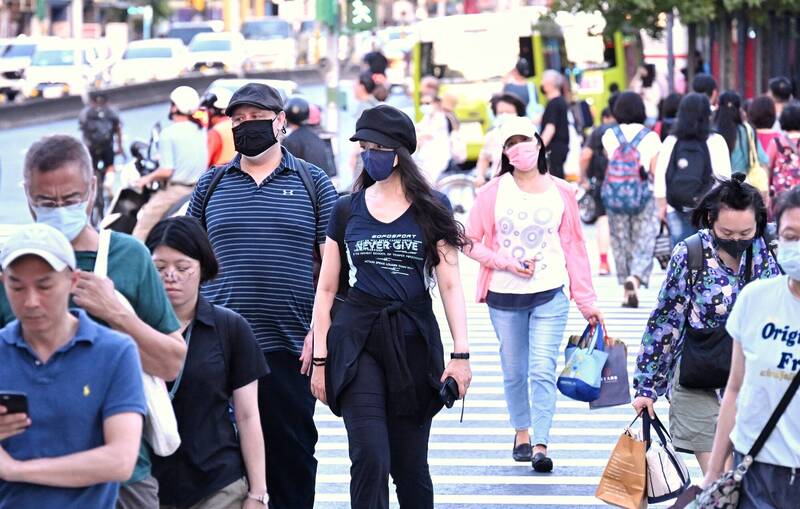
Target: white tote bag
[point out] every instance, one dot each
(160, 425)
(667, 475)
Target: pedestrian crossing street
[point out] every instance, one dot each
(471, 461)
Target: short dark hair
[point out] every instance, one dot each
(365, 78)
(704, 84)
(781, 88)
(790, 117)
(629, 109)
(734, 194)
(761, 112)
(786, 201)
(185, 234)
(670, 105)
(508, 98)
(54, 152)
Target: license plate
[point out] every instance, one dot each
(52, 92)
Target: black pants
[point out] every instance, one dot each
(557, 158)
(383, 444)
(287, 420)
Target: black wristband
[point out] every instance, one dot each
(460, 356)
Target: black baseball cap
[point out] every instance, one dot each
(258, 95)
(387, 126)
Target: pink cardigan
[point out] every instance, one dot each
(484, 249)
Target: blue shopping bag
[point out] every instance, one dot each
(582, 375)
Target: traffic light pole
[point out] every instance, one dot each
(332, 76)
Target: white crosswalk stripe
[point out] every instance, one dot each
(471, 462)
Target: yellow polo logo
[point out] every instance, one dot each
(86, 391)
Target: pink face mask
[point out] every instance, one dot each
(524, 156)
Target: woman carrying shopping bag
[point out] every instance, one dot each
(706, 273)
(526, 233)
(764, 325)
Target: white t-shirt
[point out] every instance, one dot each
(717, 149)
(527, 228)
(648, 147)
(766, 322)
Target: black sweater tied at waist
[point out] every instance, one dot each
(364, 320)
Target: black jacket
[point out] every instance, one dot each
(362, 318)
(305, 144)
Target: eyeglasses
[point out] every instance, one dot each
(48, 203)
(178, 274)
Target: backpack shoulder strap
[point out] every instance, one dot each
(639, 136)
(104, 247)
(308, 182)
(219, 172)
(694, 249)
(343, 206)
(620, 136)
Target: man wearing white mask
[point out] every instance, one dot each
(264, 213)
(59, 184)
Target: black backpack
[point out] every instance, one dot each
(98, 126)
(689, 174)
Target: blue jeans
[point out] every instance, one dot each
(529, 347)
(680, 226)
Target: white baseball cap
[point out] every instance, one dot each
(39, 240)
(516, 126)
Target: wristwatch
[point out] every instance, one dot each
(460, 356)
(264, 499)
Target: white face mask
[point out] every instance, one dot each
(426, 109)
(69, 220)
(789, 257)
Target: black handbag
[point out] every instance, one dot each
(706, 356)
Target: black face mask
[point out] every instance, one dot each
(254, 137)
(734, 248)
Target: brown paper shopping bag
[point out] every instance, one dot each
(623, 482)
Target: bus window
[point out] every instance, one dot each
(554, 53)
(426, 59)
(526, 52)
(609, 53)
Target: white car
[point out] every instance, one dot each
(223, 52)
(63, 67)
(270, 44)
(149, 60)
(14, 60)
(286, 88)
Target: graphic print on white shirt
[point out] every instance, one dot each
(527, 228)
(766, 322)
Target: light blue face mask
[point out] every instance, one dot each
(69, 220)
(789, 258)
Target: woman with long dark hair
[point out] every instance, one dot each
(691, 139)
(215, 467)
(525, 231)
(738, 134)
(693, 306)
(378, 363)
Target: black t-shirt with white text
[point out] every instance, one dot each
(387, 260)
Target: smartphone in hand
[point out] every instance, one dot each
(15, 402)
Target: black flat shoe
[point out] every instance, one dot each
(631, 299)
(541, 463)
(522, 452)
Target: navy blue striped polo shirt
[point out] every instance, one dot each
(263, 236)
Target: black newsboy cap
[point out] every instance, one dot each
(387, 126)
(258, 95)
